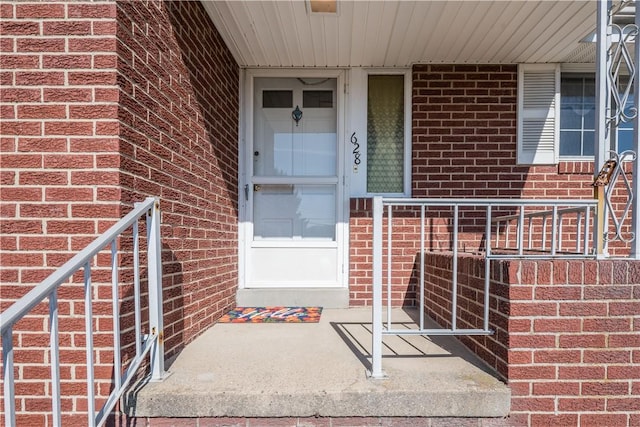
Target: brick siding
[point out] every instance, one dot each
(104, 103)
(573, 336)
(464, 142)
(405, 266)
(178, 115)
(59, 172)
(464, 145)
(566, 334)
(464, 132)
(565, 331)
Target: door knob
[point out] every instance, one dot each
(256, 187)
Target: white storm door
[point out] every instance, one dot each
(294, 201)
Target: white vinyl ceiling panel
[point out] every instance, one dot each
(281, 33)
(284, 13)
(404, 13)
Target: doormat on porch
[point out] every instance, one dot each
(272, 315)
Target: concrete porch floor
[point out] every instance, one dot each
(320, 369)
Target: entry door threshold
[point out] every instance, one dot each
(294, 297)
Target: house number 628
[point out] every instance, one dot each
(356, 152)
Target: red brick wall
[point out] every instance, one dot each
(406, 234)
(573, 333)
(470, 303)
(464, 142)
(179, 121)
(464, 131)
(58, 175)
(103, 104)
(360, 252)
(59, 135)
(566, 334)
(464, 138)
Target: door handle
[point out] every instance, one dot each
(257, 187)
(246, 192)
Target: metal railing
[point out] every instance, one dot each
(617, 72)
(620, 217)
(487, 227)
(522, 227)
(48, 289)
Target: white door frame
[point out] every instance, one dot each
(245, 168)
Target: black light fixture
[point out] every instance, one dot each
(297, 114)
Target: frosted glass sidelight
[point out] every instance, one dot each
(385, 134)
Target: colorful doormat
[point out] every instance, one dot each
(273, 315)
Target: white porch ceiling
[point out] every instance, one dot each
(280, 33)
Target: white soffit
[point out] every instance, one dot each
(281, 33)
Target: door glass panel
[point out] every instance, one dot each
(292, 211)
(317, 99)
(289, 154)
(277, 99)
(283, 147)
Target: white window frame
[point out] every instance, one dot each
(584, 69)
(539, 157)
(570, 157)
(358, 90)
(574, 69)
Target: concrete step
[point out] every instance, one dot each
(294, 297)
(304, 370)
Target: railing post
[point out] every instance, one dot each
(7, 366)
(600, 220)
(520, 237)
(601, 132)
(55, 359)
(487, 270)
(454, 271)
(88, 330)
(421, 269)
(554, 230)
(587, 222)
(635, 221)
(389, 265)
(376, 316)
(156, 325)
